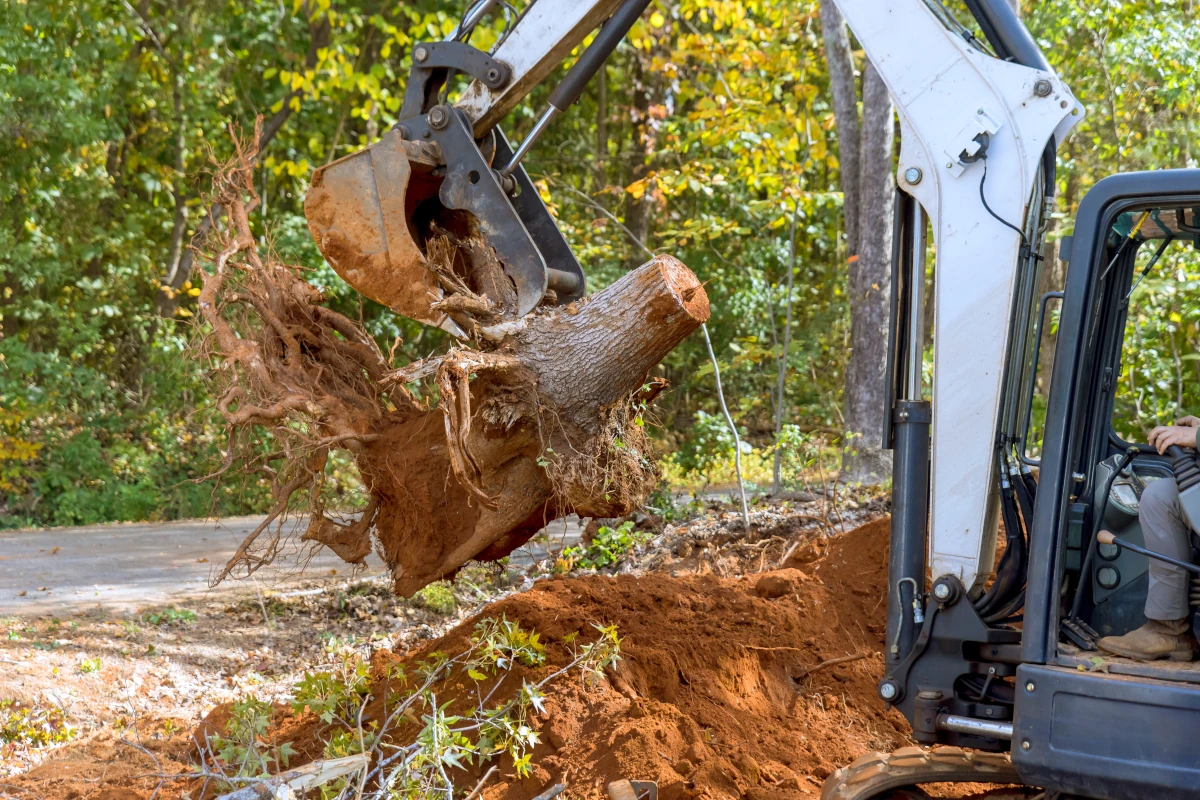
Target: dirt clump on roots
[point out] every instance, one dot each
(723, 688)
(536, 418)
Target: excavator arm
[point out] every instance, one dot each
(449, 169)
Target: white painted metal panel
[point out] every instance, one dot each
(535, 47)
(946, 92)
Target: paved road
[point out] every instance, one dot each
(62, 570)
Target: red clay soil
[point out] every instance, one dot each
(706, 699)
(720, 691)
(716, 692)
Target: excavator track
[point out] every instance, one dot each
(873, 775)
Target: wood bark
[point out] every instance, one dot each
(537, 419)
(865, 175)
(545, 429)
(840, 64)
(870, 290)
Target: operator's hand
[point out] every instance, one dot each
(1188, 422)
(1164, 436)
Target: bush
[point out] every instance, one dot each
(437, 597)
(607, 548)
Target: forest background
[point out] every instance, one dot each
(727, 133)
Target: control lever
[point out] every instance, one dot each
(1104, 537)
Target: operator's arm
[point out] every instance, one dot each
(1182, 433)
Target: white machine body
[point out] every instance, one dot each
(947, 93)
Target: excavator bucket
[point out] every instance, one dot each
(360, 210)
(434, 178)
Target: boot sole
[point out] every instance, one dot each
(1179, 656)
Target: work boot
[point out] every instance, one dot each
(1156, 639)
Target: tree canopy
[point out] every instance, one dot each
(709, 135)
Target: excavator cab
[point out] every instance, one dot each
(1093, 723)
(999, 659)
(1026, 676)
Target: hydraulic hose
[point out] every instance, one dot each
(1010, 572)
(1003, 608)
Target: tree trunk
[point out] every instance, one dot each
(782, 364)
(640, 209)
(542, 420)
(840, 64)
(551, 429)
(601, 167)
(869, 292)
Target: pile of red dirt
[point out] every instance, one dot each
(724, 687)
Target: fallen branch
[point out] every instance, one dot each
(789, 552)
(479, 786)
(301, 779)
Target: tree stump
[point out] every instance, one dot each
(539, 419)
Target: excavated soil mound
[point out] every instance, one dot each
(722, 689)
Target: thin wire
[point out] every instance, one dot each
(895, 648)
(510, 28)
(1146, 269)
(951, 21)
(997, 217)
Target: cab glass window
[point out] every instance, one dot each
(1159, 379)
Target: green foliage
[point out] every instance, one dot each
(89, 665)
(335, 695)
(169, 616)
(716, 132)
(805, 456)
(607, 548)
(1160, 358)
(244, 745)
(664, 505)
(437, 597)
(419, 765)
(709, 444)
(33, 725)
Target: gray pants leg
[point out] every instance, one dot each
(1165, 532)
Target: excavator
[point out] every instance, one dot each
(992, 658)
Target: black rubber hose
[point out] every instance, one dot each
(1005, 575)
(1008, 574)
(1005, 607)
(1006, 611)
(1002, 605)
